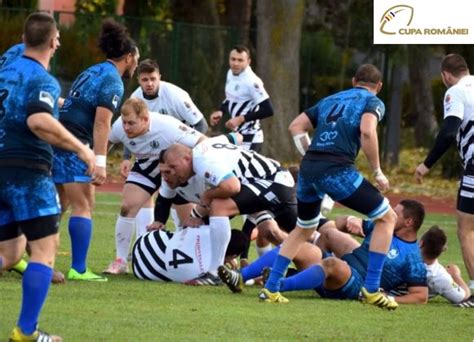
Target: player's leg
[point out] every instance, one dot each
(367, 200)
(145, 217)
(134, 196)
(82, 198)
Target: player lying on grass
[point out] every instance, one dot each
(342, 278)
(164, 256)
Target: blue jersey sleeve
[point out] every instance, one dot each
(312, 114)
(376, 107)
(415, 271)
(43, 97)
(111, 93)
(368, 227)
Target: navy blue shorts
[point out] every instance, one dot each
(350, 290)
(26, 194)
(68, 168)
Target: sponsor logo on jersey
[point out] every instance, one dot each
(236, 87)
(133, 143)
(448, 98)
(115, 101)
(183, 128)
(187, 105)
(46, 98)
(393, 253)
(154, 144)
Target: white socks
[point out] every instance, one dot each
(144, 217)
(220, 237)
(123, 236)
(262, 250)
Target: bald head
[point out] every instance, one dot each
(178, 159)
(177, 151)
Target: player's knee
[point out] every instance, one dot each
(390, 217)
(331, 265)
(223, 207)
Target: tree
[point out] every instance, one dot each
(423, 106)
(279, 24)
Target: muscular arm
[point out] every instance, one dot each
(45, 127)
(415, 295)
(299, 129)
(369, 140)
(227, 188)
(103, 118)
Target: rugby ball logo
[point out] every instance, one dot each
(395, 18)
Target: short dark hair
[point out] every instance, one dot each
(454, 64)
(237, 244)
(38, 29)
(241, 48)
(368, 73)
(115, 41)
(148, 66)
(434, 241)
(414, 210)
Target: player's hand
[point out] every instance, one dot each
(354, 226)
(193, 222)
(155, 226)
(205, 199)
(234, 123)
(125, 167)
(88, 157)
(215, 118)
(420, 171)
(453, 270)
(99, 176)
(382, 181)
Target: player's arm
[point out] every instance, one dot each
(444, 140)
(216, 116)
(370, 145)
(415, 295)
(350, 224)
(261, 111)
(47, 128)
(227, 188)
(201, 126)
(161, 212)
(459, 291)
(103, 118)
(299, 129)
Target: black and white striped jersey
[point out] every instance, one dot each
(215, 161)
(164, 256)
(243, 94)
(459, 102)
(164, 131)
(174, 101)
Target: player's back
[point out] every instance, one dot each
(25, 88)
(11, 54)
(98, 86)
(213, 158)
(337, 121)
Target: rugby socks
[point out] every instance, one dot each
(123, 236)
(80, 231)
(144, 218)
(255, 269)
(278, 270)
(220, 237)
(36, 281)
(308, 279)
(374, 271)
(262, 250)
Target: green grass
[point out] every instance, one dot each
(126, 309)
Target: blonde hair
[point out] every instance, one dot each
(135, 106)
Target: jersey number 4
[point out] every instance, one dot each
(180, 258)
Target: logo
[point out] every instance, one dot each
(236, 87)
(396, 17)
(115, 101)
(335, 115)
(393, 253)
(422, 22)
(154, 144)
(183, 128)
(187, 105)
(46, 98)
(132, 143)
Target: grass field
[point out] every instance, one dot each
(125, 309)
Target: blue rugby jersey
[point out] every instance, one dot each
(98, 86)
(337, 118)
(403, 264)
(26, 88)
(11, 54)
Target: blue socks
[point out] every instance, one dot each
(80, 231)
(36, 281)
(278, 270)
(374, 271)
(308, 279)
(255, 269)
